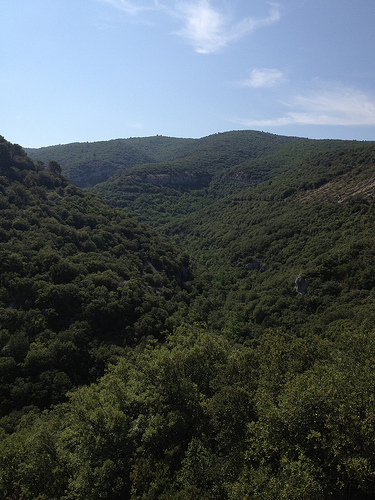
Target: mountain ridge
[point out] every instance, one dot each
(86, 164)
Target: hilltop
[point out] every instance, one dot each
(87, 164)
(160, 178)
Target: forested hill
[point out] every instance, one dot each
(245, 372)
(87, 164)
(79, 282)
(219, 165)
(161, 178)
(316, 220)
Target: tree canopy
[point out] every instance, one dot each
(183, 361)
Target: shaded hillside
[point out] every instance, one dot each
(87, 164)
(77, 279)
(220, 165)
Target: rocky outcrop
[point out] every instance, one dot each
(183, 179)
(300, 285)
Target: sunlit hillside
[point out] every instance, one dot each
(198, 323)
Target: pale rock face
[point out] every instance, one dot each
(301, 285)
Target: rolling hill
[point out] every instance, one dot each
(242, 367)
(159, 178)
(87, 164)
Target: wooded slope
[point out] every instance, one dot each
(266, 388)
(79, 282)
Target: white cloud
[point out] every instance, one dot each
(263, 78)
(206, 28)
(130, 7)
(332, 105)
(209, 30)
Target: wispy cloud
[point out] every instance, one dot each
(332, 105)
(130, 7)
(263, 78)
(207, 28)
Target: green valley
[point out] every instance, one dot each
(197, 322)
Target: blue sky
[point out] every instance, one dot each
(89, 70)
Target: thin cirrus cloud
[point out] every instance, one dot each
(334, 105)
(206, 28)
(129, 7)
(263, 78)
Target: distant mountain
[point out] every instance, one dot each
(215, 167)
(86, 164)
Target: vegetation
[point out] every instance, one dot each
(79, 282)
(223, 164)
(199, 417)
(87, 164)
(159, 178)
(309, 221)
(131, 369)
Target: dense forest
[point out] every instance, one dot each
(161, 178)
(199, 322)
(79, 280)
